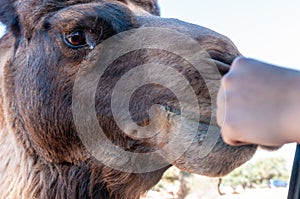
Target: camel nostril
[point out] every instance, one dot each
(222, 67)
(223, 59)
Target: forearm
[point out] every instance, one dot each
(291, 113)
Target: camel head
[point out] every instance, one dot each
(109, 83)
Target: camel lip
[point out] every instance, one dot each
(178, 112)
(223, 67)
(203, 123)
(222, 59)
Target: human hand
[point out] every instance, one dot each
(258, 103)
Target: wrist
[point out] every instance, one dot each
(291, 111)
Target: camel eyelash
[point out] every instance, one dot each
(80, 38)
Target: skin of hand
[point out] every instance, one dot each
(259, 103)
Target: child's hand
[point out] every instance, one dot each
(259, 103)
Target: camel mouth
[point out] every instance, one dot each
(205, 152)
(222, 66)
(222, 59)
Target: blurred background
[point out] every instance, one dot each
(268, 30)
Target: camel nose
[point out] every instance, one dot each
(221, 49)
(222, 66)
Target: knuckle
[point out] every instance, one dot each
(228, 130)
(228, 140)
(220, 117)
(228, 80)
(239, 61)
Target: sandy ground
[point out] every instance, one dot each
(274, 193)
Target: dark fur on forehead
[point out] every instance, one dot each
(149, 5)
(7, 12)
(25, 14)
(8, 15)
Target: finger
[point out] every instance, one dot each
(230, 136)
(237, 62)
(221, 106)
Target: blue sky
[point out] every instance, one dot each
(264, 29)
(1, 30)
(268, 30)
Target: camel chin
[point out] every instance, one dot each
(200, 150)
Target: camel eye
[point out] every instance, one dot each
(76, 39)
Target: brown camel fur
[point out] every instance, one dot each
(41, 155)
